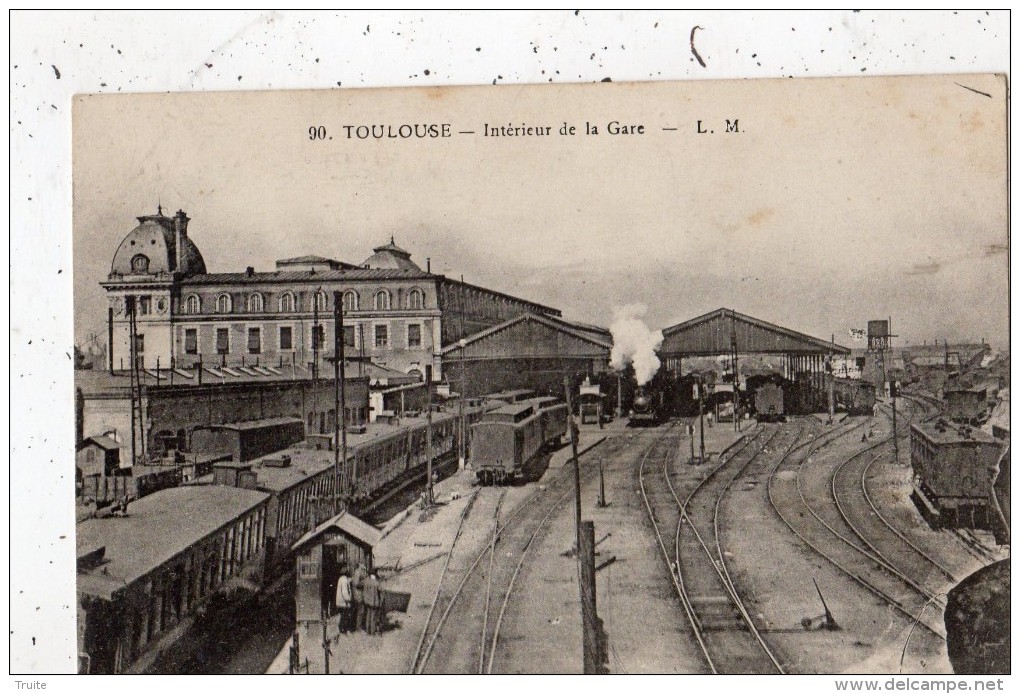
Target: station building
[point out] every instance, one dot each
(216, 348)
(395, 314)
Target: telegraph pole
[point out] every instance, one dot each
(892, 396)
(584, 536)
(339, 418)
(429, 492)
(315, 360)
(736, 381)
(701, 412)
(463, 415)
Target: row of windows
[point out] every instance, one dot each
(381, 338)
(288, 302)
(175, 591)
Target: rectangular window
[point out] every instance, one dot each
(139, 344)
(414, 335)
(348, 335)
(144, 305)
(191, 341)
(286, 337)
(382, 337)
(222, 340)
(254, 340)
(318, 336)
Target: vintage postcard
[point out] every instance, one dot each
(677, 377)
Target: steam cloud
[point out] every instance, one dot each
(634, 342)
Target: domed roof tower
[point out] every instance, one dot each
(390, 257)
(159, 245)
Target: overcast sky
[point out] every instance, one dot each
(837, 202)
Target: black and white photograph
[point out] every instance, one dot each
(597, 376)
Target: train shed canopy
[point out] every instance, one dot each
(724, 330)
(533, 336)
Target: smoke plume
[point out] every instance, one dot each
(634, 342)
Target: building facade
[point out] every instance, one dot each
(394, 313)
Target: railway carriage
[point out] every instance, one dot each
(553, 415)
(511, 396)
(953, 469)
(505, 442)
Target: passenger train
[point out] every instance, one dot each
(507, 440)
(234, 530)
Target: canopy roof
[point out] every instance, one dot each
(715, 333)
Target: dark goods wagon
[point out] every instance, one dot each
(768, 403)
(855, 397)
(505, 442)
(967, 405)
(954, 469)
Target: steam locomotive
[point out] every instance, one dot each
(649, 405)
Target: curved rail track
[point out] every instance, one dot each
(860, 563)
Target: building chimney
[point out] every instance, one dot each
(249, 271)
(428, 265)
(181, 232)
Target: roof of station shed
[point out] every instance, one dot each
(715, 332)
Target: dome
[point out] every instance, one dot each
(390, 257)
(151, 248)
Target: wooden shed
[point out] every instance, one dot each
(322, 554)
(97, 456)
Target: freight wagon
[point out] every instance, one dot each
(953, 469)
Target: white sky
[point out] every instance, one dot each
(838, 201)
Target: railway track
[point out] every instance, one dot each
(728, 637)
(830, 534)
(849, 488)
(476, 590)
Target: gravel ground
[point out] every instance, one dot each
(776, 577)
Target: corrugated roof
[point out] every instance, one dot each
(160, 526)
(712, 334)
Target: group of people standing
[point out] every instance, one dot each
(359, 601)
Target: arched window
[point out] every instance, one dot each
(255, 303)
(350, 301)
(382, 300)
(287, 303)
(224, 304)
(192, 304)
(320, 301)
(416, 299)
(140, 263)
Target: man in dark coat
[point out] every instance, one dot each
(373, 603)
(358, 595)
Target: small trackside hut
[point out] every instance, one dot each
(340, 544)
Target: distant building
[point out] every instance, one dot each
(167, 412)
(98, 456)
